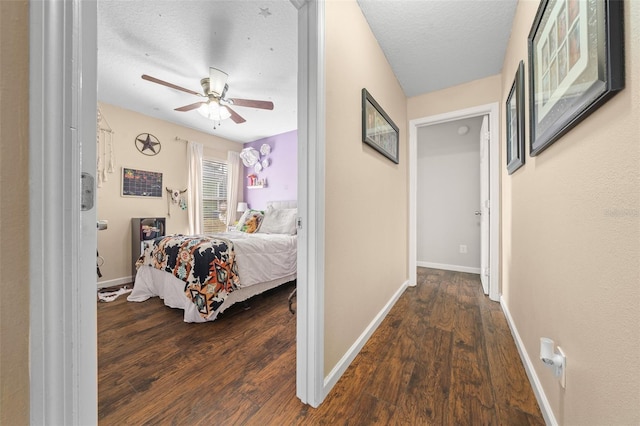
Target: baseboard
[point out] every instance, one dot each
(456, 268)
(114, 282)
(332, 378)
(543, 402)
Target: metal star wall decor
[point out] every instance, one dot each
(148, 144)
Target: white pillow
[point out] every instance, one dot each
(279, 221)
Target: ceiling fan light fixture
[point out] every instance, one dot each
(217, 81)
(213, 111)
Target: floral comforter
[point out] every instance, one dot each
(207, 266)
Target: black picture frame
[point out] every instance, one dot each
(515, 122)
(378, 130)
(576, 64)
(141, 183)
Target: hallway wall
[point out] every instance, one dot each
(571, 246)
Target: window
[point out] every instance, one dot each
(214, 195)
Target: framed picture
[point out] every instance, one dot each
(576, 64)
(515, 122)
(141, 183)
(378, 130)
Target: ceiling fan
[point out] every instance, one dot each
(216, 106)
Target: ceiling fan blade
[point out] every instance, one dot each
(190, 107)
(252, 103)
(235, 116)
(171, 85)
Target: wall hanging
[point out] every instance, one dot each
(249, 156)
(104, 138)
(378, 130)
(515, 122)
(576, 64)
(176, 197)
(141, 183)
(148, 144)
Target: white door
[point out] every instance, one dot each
(484, 204)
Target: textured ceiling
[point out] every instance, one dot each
(430, 44)
(434, 44)
(255, 42)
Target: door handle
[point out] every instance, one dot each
(478, 213)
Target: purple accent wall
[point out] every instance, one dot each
(281, 175)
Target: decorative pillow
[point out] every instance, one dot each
(243, 218)
(279, 221)
(250, 221)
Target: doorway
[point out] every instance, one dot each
(62, 270)
(448, 196)
(492, 245)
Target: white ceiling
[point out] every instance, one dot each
(435, 44)
(430, 44)
(255, 42)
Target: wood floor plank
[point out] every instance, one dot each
(282, 408)
(472, 399)
(426, 398)
(444, 306)
(511, 387)
(443, 355)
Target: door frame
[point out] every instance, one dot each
(62, 101)
(492, 110)
(62, 238)
(311, 183)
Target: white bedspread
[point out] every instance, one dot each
(263, 257)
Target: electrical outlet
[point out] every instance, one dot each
(463, 248)
(563, 373)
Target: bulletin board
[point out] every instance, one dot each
(141, 183)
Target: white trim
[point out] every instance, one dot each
(353, 351)
(62, 108)
(298, 3)
(446, 267)
(115, 281)
(494, 186)
(63, 350)
(543, 402)
(311, 184)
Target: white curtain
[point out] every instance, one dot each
(233, 181)
(194, 193)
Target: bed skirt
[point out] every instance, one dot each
(151, 282)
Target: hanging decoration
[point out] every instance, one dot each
(250, 156)
(175, 197)
(104, 147)
(265, 150)
(148, 144)
(256, 161)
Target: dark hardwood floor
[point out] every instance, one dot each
(443, 355)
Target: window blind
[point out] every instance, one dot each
(214, 195)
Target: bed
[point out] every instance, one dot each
(205, 274)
